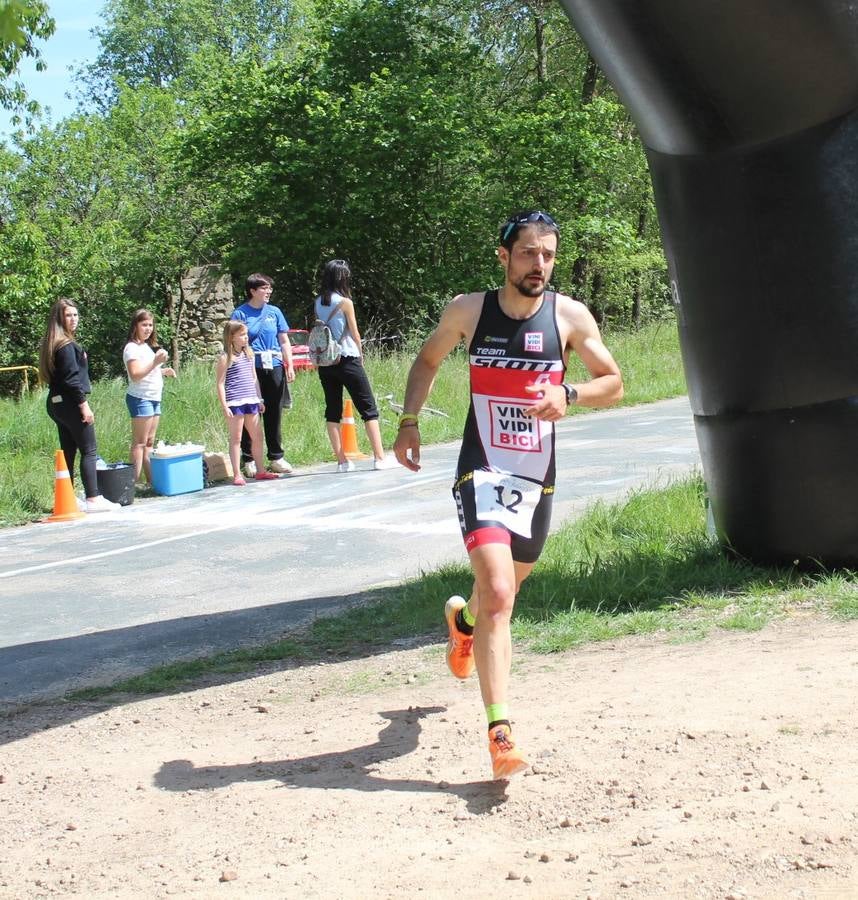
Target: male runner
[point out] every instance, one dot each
(519, 339)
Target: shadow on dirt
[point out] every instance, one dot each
(635, 581)
(353, 769)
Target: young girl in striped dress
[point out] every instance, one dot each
(238, 392)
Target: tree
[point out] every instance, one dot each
(165, 43)
(94, 201)
(263, 137)
(371, 146)
(26, 279)
(21, 23)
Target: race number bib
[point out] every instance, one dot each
(266, 357)
(506, 499)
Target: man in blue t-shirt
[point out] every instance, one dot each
(267, 329)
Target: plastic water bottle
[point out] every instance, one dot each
(711, 530)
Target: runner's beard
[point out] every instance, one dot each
(534, 291)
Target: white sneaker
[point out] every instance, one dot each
(387, 462)
(81, 504)
(347, 466)
(281, 466)
(249, 469)
(100, 504)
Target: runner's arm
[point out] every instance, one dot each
(457, 322)
(580, 334)
(605, 387)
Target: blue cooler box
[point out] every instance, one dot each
(177, 474)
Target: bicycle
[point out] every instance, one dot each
(398, 408)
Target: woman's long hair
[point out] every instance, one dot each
(336, 279)
(138, 316)
(56, 336)
(232, 328)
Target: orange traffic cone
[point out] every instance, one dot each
(65, 502)
(348, 435)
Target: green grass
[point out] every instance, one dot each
(191, 413)
(633, 568)
(840, 591)
(649, 360)
(637, 567)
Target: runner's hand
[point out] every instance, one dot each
(406, 447)
(551, 403)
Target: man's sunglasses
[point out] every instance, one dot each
(527, 219)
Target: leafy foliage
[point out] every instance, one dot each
(95, 218)
(161, 42)
(21, 23)
(272, 136)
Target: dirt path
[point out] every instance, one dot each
(726, 768)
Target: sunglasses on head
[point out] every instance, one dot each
(527, 219)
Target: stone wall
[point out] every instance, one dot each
(204, 305)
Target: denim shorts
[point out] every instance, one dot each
(141, 409)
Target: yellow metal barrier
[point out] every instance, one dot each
(25, 370)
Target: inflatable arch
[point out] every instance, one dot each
(748, 110)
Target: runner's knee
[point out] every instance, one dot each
(497, 598)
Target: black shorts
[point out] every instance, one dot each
(350, 374)
(499, 508)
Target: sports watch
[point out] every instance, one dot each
(571, 394)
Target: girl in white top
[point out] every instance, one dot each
(144, 362)
(335, 307)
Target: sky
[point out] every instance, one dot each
(70, 45)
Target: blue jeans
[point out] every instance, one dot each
(142, 409)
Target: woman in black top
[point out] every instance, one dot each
(63, 366)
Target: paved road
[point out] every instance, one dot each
(87, 602)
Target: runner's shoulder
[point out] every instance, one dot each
(465, 307)
(467, 301)
(567, 304)
(574, 312)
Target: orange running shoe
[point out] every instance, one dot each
(460, 647)
(506, 758)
